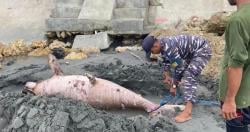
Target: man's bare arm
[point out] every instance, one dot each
(234, 82)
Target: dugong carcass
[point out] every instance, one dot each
(97, 92)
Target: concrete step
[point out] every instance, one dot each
(97, 9)
(128, 25)
(99, 40)
(120, 13)
(132, 3)
(65, 12)
(75, 24)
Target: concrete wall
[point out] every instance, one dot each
(170, 12)
(23, 19)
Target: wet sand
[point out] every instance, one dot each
(123, 69)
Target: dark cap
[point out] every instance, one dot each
(147, 45)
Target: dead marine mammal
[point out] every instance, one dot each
(97, 92)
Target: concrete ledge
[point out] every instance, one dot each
(130, 13)
(99, 40)
(65, 12)
(132, 3)
(147, 29)
(128, 25)
(74, 24)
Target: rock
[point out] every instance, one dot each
(3, 123)
(16, 48)
(129, 42)
(68, 50)
(196, 23)
(90, 50)
(63, 34)
(20, 47)
(97, 125)
(42, 106)
(32, 113)
(7, 52)
(68, 45)
(19, 101)
(1, 110)
(24, 114)
(49, 111)
(59, 53)
(50, 34)
(99, 40)
(98, 10)
(164, 33)
(40, 52)
(32, 122)
(58, 34)
(78, 118)
(42, 127)
(1, 58)
(57, 44)
(76, 56)
(128, 48)
(2, 46)
(50, 106)
(69, 34)
(141, 123)
(39, 44)
(61, 119)
(9, 63)
(17, 123)
(21, 110)
(218, 22)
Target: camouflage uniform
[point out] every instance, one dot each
(184, 57)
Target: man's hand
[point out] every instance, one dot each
(229, 110)
(169, 82)
(173, 91)
(168, 79)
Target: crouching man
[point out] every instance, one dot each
(184, 57)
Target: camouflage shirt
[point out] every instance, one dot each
(179, 50)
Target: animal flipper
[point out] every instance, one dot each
(54, 65)
(91, 78)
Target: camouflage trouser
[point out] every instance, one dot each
(193, 69)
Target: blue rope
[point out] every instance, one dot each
(178, 100)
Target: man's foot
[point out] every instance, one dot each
(166, 110)
(186, 115)
(183, 117)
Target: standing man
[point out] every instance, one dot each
(234, 89)
(184, 57)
